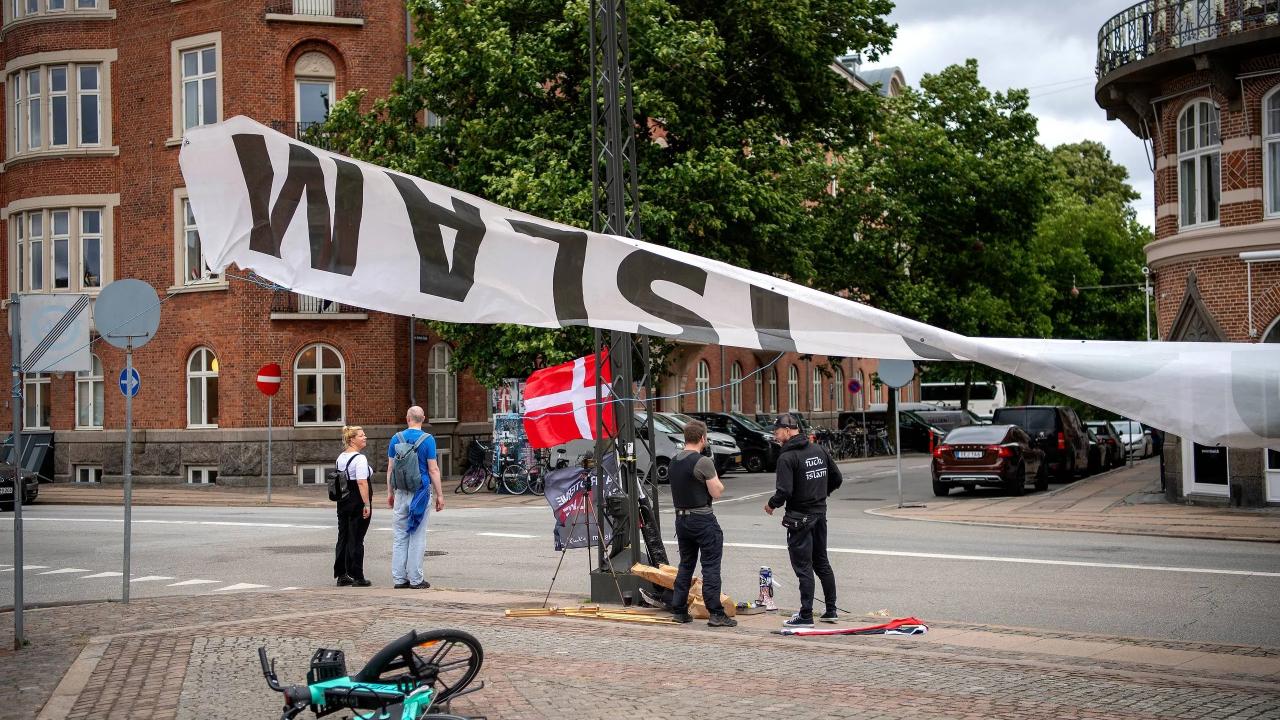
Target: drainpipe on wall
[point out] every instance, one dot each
(724, 386)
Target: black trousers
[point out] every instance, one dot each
(808, 551)
(698, 535)
(348, 555)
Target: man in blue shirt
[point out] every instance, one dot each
(409, 525)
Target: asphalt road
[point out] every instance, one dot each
(1194, 590)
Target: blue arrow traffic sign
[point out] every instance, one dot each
(130, 384)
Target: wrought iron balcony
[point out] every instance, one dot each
(311, 133)
(317, 8)
(290, 304)
(1154, 26)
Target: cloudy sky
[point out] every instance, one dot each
(1047, 48)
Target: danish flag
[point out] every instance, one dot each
(560, 402)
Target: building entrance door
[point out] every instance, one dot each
(1207, 470)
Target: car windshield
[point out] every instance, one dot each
(751, 424)
(678, 418)
(662, 423)
(1033, 420)
(977, 434)
(1127, 427)
(1098, 426)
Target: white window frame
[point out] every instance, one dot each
(59, 239)
(202, 376)
(319, 372)
(90, 386)
(202, 474)
(318, 473)
(773, 389)
(1199, 144)
(21, 221)
(177, 80)
(837, 378)
(816, 389)
(735, 387)
(441, 382)
(182, 226)
(760, 406)
(702, 387)
(33, 72)
(444, 458)
(70, 10)
(35, 396)
(1271, 153)
(87, 474)
(793, 389)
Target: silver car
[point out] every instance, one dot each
(1136, 439)
(724, 449)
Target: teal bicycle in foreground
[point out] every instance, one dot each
(409, 679)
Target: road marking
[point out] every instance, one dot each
(195, 582)
(26, 567)
(102, 575)
(63, 570)
(291, 587)
(149, 578)
(184, 522)
(745, 497)
(1023, 561)
(508, 535)
(239, 586)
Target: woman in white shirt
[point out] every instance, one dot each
(354, 511)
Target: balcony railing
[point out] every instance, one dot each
(292, 303)
(1153, 26)
(317, 8)
(311, 133)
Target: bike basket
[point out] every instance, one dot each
(326, 665)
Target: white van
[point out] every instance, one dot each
(984, 397)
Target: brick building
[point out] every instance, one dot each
(1199, 82)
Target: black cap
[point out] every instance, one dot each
(785, 420)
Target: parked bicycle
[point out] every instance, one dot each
(483, 470)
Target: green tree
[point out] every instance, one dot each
(736, 113)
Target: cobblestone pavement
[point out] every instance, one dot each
(195, 657)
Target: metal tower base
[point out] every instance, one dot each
(605, 586)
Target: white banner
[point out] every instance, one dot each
(359, 234)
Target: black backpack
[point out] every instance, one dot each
(339, 481)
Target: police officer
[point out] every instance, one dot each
(694, 484)
(806, 476)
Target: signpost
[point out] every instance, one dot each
(895, 374)
(127, 315)
(855, 387)
(269, 384)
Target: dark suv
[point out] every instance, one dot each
(759, 451)
(1057, 430)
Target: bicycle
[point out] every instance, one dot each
(513, 476)
(415, 694)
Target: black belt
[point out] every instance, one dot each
(706, 510)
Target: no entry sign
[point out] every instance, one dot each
(269, 379)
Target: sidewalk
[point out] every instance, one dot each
(1124, 501)
(195, 657)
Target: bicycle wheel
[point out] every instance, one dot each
(538, 482)
(515, 479)
(472, 480)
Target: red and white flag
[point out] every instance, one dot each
(560, 402)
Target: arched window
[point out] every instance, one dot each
(1271, 152)
(793, 389)
(837, 379)
(1272, 335)
(735, 388)
(817, 390)
(89, 391)
(319, 396)
(702, 387)
(202, 388)
(1199, 161)
(313, 82)
(442, 383)
(773, 389)
(760, 406)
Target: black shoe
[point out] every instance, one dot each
(722, 620)
(828, 616)
(681, 617)
(420, 586)
(362, 582)
(344, 581)
(402, 586)
(799, 621)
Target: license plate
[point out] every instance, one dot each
(737, 458)
(969, 454)
(6, 491)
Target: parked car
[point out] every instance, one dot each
(1057, 430)
(759, 451)
(1002, 456)
(668, 440)
(724, 450)
(918, 435)
(1136, 438)
(30, 480)
(1109, 437)
(948, 420)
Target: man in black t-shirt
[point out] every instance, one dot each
(694, 484)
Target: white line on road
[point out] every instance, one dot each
(102, 575)
(1025, 561)
(184, 522)
(194, 582)
(27, 567)
(745, 497)
(507, 535)
(149, 578)
(240, 586)
(64, 570)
